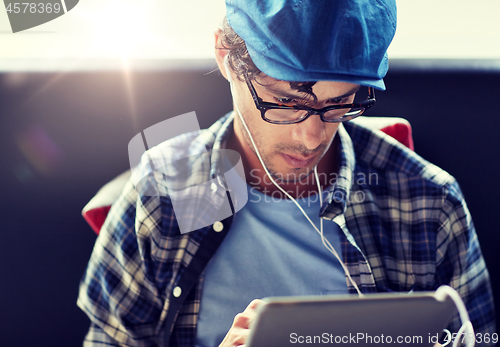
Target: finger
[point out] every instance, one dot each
(242, 320)
(253, 305)
(251, 310)
(236, 337)
(242, 338)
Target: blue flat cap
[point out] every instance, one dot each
(313, 40)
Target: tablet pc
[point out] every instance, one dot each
(415, 319)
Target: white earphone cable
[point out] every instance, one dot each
(325, 241)
(466, 328)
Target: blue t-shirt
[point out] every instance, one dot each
(271, 250)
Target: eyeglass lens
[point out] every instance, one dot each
(284, 115)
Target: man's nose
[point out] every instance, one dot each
(310, 132)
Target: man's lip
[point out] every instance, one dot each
(297, 162)
(296, 157)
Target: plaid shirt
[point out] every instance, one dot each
(409, 230)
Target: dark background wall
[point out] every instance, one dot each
(64, 135)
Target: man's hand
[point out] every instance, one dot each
(238, 334)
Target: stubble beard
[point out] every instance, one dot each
(296, 175)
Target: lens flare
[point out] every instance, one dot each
(39, 149)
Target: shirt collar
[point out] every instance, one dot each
(336, 201)
(223, 129)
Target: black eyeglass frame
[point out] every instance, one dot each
(263, 106)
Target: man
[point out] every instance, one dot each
(294, 68)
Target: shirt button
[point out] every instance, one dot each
(177, 291)
(218, 226)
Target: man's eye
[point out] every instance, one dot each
(287, 101)
(340, 100)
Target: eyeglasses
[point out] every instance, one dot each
(290, 114)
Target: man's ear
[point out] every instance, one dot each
(220, 52)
